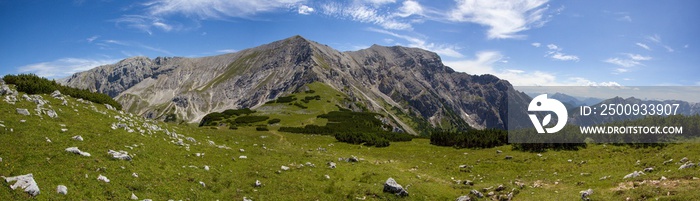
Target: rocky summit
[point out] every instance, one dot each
(411, 85)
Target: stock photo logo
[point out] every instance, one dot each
(543, 104)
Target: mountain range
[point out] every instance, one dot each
(410, 85)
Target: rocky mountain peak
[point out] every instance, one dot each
(391, 80)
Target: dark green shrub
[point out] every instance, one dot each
(261, 128)
(273, 121)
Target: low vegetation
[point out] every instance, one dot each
(33, 84)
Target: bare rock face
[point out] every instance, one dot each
(410, 80)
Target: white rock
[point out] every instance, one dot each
(122, 155)
(25, 182)
(633, 174)
(23, 111)
(135, 175)
(246, 199)
(206, 167)
(61, 189)
(242, 157)
(78, 138)
(64, 129)
(686, 165)
(202, 183)
(48, 140)
(52, 113)
(327, 177)
(102, 178)
(285, 168)
(75, 150)
(133, 197)
(258, 183)
(241, 150)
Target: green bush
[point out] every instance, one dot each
(261, 128)
(273, 121)
(486, 138)
(250, 119)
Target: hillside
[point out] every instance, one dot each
(410, 85)
(179, 162)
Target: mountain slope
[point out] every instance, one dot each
(410, 85)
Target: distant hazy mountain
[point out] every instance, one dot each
(410, 85)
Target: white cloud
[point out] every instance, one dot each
(409, 8)
(642, 45)
(505, 19)
(63, 67)
(563, 57)
(625, 18)
(443, 50)
(93, 38)
(305, 10)
(216, 9)
(557, 54)
(623, 62)
(638, 57)
(536, 44)
(484, 62)
(227, 51)
(365, 14)
(632, 60)
(145, 23)
(657, 40)
(379, 2)
(135, 44)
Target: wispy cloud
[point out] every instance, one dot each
(156, 12)
(555, 52)
(536, 44)
(92, 38)
(227, 51)
(657, 40)
(642, 45)
(365, 14)
(135, 44)
(484, 63)
(444, 50)
(626, 63)
(63, 67)
(505, 19)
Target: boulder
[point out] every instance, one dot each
(102, 178)
(78, 138)
(684, 159)
(56, 94)
(391, 186)
(61, 189)
(133, 197)
(206, 167)
(500, 188)
(258, 183)
(476, 193)
(353, 159)
(585, 194)
(25, 182)
(686, 165)
(52, 114)
(633, 174)
(331, 165)
(23, 111)
(75, 150)
(247, 199)
(122, 155)
(649, 169)
(464, 198)
(203, 184)
(285, 168)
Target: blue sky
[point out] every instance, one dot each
(528, 42)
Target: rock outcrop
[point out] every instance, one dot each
(390, 186)
(25, 182)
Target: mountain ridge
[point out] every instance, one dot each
(410, 84)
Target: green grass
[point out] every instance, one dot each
(425, 170)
